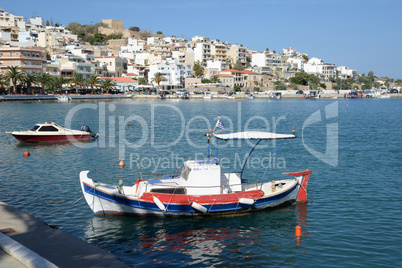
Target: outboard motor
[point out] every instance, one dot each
(93, 135)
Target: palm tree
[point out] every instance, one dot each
(3, 82)
(59, 82)
(29, 79)
(14, 74)
(93, 81)
(77, 80)
(158, 78)
(108, 84)
(44, 79)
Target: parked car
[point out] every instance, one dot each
(299, 92)
(393, 90)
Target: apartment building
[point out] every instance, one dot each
(318, 68)
(11, 20)
(173, 72)
(238, 53)
(29, 59)
(218, 51)
(116, 66)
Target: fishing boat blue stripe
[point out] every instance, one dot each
(180, 207)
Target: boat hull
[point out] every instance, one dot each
(54, 138)
(107, 200)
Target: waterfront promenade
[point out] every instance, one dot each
(285, 95)
(26, 241)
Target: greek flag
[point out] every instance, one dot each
(220, 125)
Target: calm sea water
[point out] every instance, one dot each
(353, 218)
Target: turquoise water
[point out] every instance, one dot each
(353, 147)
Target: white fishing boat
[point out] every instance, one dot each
(275, 95)
(63, 98)
(207, 96)
(200, 189)
(311, 95)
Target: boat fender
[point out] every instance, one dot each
(159, 203)
(246, 201)
(120, 187)
(199, 207)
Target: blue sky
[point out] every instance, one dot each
(364, 35)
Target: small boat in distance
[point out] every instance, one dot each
(63, 98)
(200, 189)
(207, 96)
(311, 95)
(51, 132)
(275, 95)
(355, 95)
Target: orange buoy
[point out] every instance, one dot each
(298, 231)
(25, 154)
(347, 104)
(121, 164)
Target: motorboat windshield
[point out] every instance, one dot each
(35, 128)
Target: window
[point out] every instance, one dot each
(48, 128)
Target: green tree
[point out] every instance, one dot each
(4, 82)
(300, 78)
(134, 29)
(215, 79)
(398, 81)
(279, 85)
(159, 32)
(142, 81)
(93, 82)
(98, 38)
(15, 75)
(237, 88)
(198, 69)
(77, 80)
(158, 78)
(239, 66)
(29, 79)
(305, 57)
(107, 84)
(229, 62)
(44, 80)
(59, 82)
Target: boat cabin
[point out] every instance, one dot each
(198, 177)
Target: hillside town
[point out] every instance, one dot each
(141, 60)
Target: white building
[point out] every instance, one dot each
(289, 52)
(318, 68)
(345, 72)
(202, 52)
(172, 71)
(133, 47)
(11, 20)
(295, 64)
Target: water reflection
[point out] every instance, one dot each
(302, 218)
(194, 240)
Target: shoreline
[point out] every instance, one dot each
(241, 96)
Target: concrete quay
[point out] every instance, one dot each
(26, 241)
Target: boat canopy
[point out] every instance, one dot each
(253, 135)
